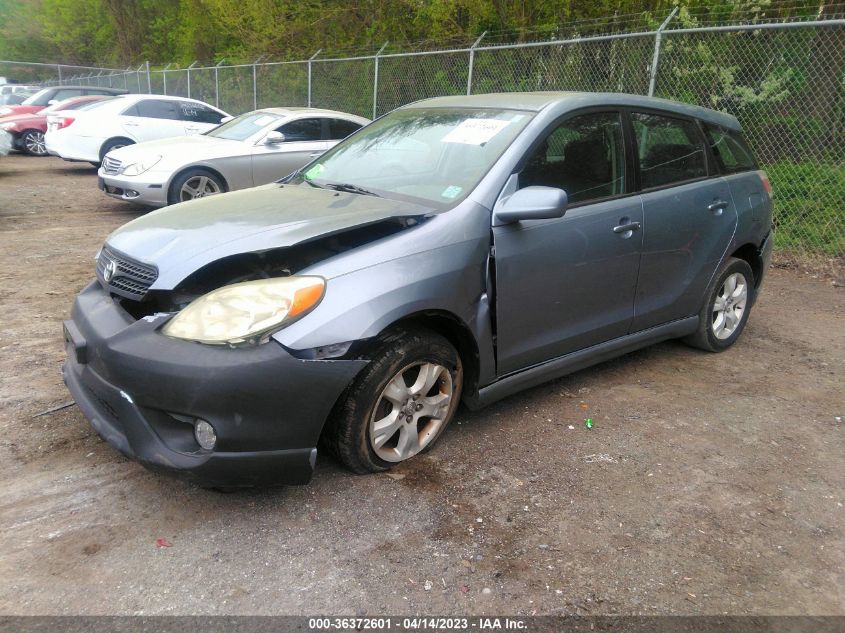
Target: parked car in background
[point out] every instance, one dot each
(14, 98)
(28, 130)
(5, 143)
(128, 120)
(456, 248)
(17, 89)
(253, 149)
(48, 96)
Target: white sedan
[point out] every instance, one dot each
(127, 120)
(253, 149)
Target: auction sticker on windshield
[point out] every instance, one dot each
(475, 131)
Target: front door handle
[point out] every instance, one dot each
(315, 154)
(717, 207)
(626, 228)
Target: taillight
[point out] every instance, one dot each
(764, 178)
(67, 120)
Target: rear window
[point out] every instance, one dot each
(731, 150)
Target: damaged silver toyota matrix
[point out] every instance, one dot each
(458, 249)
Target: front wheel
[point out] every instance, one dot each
(32, 142)
(400, 404)
(195, 183)
(726, 308)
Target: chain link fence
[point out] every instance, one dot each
(784, 81)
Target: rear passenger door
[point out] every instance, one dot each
(689, 218)
(197, 117)
(151, 119)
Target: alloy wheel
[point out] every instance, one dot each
(729, 306)
(198, 187)
(410, 411)
(34, 143)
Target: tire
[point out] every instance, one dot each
(202, 181)
(32, 143)
(401, 357)
(113, 143)
(733, 288)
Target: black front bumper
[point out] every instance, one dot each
(143, 392)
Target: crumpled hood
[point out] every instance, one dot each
(181, 149)
(183, 238)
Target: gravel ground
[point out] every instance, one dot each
(709, 484)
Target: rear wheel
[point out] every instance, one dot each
(400, 404)
(726, 309)
(32, 142)
(114, 143)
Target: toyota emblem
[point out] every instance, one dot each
(109, 270)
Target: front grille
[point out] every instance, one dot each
(123, 275)
(111, 166)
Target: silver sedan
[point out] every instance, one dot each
(253, 149)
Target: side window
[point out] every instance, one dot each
(156, 109)
(197, 113)
(303, 130)
(732, 153)
(584, 156)
(670, 150)
(340, 129)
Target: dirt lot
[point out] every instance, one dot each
(709, 484)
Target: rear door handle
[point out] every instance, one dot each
(718, 207)
(626, 227)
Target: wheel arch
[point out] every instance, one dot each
(750, 254)
(453, 329)
(111, 139)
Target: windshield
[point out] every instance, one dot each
(71, 104)
(437, 155)
(242, 127)
(39, 98)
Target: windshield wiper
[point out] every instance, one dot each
(350, 188)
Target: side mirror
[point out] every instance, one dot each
(531, 203)
(226, 119)
(274, 138)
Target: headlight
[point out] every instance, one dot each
(136, 169)
(5, 111)
(246, 311)
(7, 126)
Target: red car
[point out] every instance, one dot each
(28, 129)
(48, 96)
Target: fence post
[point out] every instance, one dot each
(472, 61)
(657, 37)
(194, 63)
(255, 82)
(164, 78)
(375, 81)
(217, 84)
(309, 74)
(59, 70)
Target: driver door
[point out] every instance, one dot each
(569, 283)
(304, 141)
